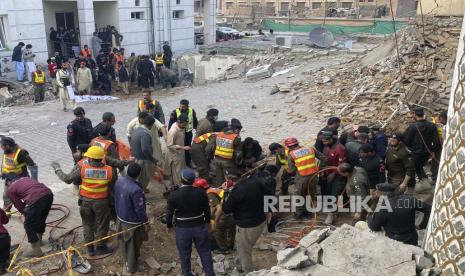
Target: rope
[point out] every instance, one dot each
(397, 41)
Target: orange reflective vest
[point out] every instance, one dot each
(86, 53)
(104, 144)
(159, 60)
(143, 106)
(95, 181)
(225, 145)
(118, 58)
(39, 78)
(10, 163)
(305, 161)
(201, 138)
(218, 192)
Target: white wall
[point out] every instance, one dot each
(136, 32)
(106, 13)
(182, 30)
(50, 8)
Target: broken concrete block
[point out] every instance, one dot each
(315, 236)
(260, 72)
(314, 253)
(423, 262)
(219, 268)
(292, 258)
(318, 269)
(152, 263)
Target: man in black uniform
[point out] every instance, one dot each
(398, 223)
(252, 152)
(79, 130)
(146, 72)
(422, 138)
(108, 119)
(333, 124)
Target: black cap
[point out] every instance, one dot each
(235, 123)
(274, 146)
(399, 136)
(183, 118)
(78, 111)
(7, 141)
(212, 112)
(386, 187)
(419, 111)
(365, 148)
(326, 134)
(102, 129)
(184, 102)
(363, 129)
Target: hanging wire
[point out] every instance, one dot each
(397, 42)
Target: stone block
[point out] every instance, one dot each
(152, 263)
(314, 252)
(423, 262)
(316, 236)
(260, 72)
(292, 258)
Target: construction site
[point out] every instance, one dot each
(366, 63)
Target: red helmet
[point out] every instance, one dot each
(200, 182)
(289, 142)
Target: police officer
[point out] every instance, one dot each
(79, 130)
(303, 164)
(94, 194)
(191, 125)
(399, 163)
(15, 160)
(284, 178)
(227, 150)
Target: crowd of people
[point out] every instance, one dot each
(216, 182)
(95, 70)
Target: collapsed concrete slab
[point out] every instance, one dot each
(350, 251)
(260, 72)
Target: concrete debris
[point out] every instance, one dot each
(350, 251)
(261, 72)
(17, 93)
(152, 263)
(5, 93)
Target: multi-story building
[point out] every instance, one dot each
(144, 24)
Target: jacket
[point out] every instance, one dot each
(17, 54)
(130, 201)
(79, 132)
(190, 205)
(26, 191)
(379, 143)
(422, 137)
(123, 74)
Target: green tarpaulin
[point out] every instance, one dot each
(379, 27)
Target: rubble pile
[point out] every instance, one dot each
(376, 92)
(14, 93)
(351, 251)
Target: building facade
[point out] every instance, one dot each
(144, 24)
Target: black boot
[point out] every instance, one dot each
(90, 250)
(103, 249)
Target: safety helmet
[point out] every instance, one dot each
(200, 182)
(289, 142)
(95, 152)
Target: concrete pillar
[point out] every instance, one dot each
(209, 19)
(86, 20)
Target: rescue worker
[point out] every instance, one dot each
(200, 156)
(332, 183)
(15, 160)
(94, 206)
(103, 141)
(143, 105)
(191, 124)
(33, 200)
(251, 152)
(440, 122)
(159, 65)
(224, 228)
(399, 221)
(422, 138)
(206, 124)
(79, 130)
(358, 184)
(303, 163)
(284, 178)
(189, 207)
(174, 160)
(399, 162)
(227, 150)
(38, 78)
(108, 119)
(332, 125)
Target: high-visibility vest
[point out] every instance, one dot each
(440, 128)
(95, 181)
(201, 138)
(10, 163)
(118, 57)
(86, 53)
(104, 144)
(190, 116)
(225, 145)
(218, 192)
(159, 60)
(305, 161)
(284, 160)
(39, 78)
(143, 106)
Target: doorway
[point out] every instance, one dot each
(65, 20)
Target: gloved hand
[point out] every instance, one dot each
(55, 165)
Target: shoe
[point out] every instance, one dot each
(41, 242)
(34, 251)
(103, 250)
(329, 218)
(222, 251)
(423, 185)
(90, 250)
